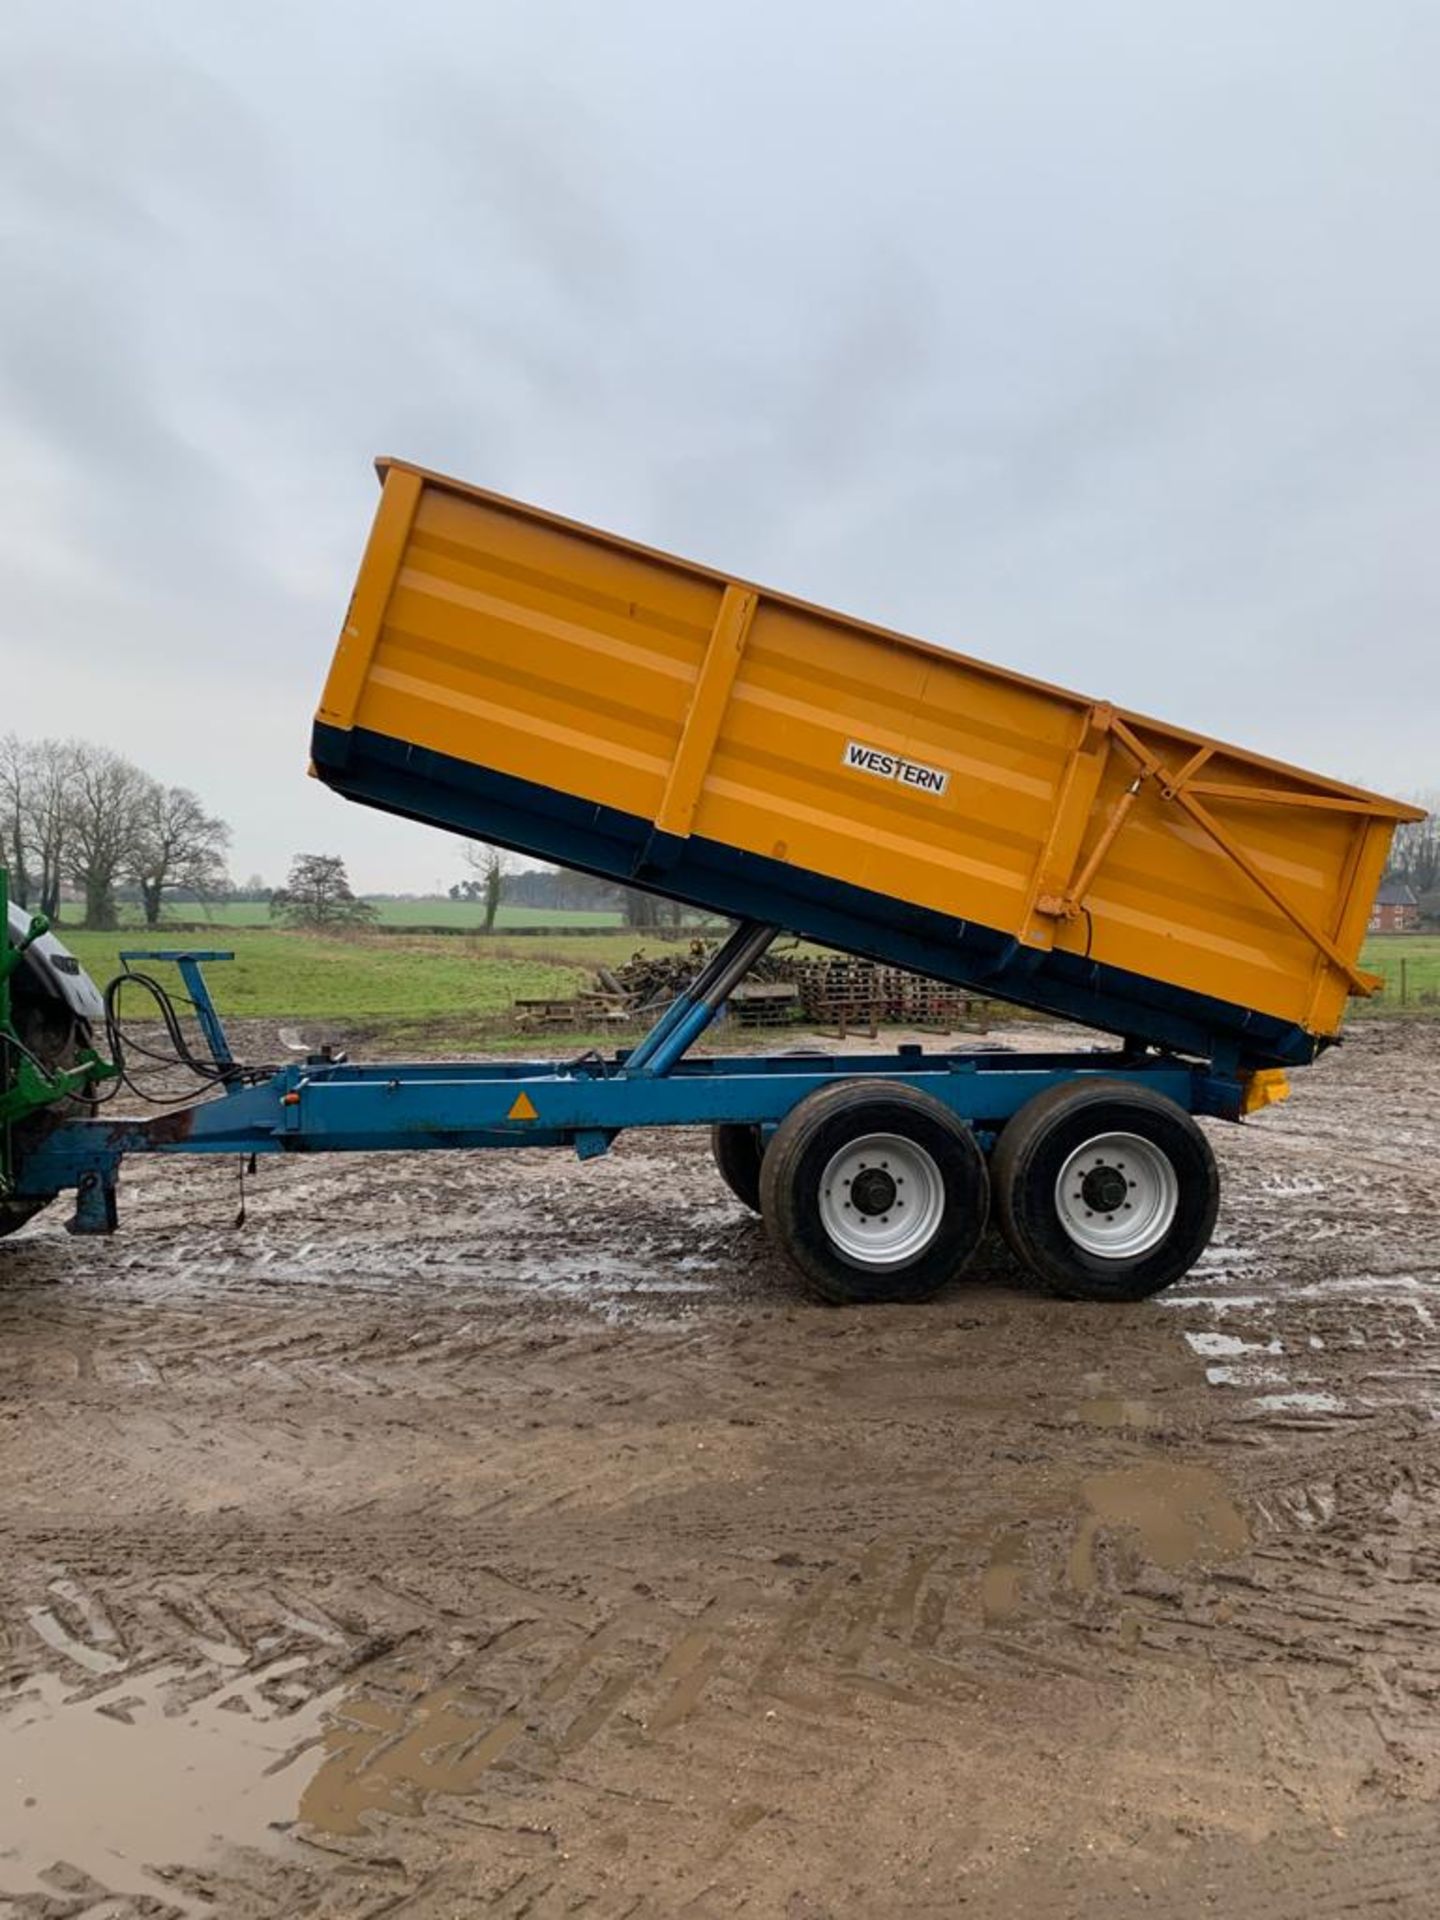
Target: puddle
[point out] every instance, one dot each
(117, 1783)
(1181, 1515)
(120, 1784)
(1114, 1411)
(54, 1634)
(1301, 1402)
(1215, 1346)
(1216, 1302)
(1250, 1376)
(1000, 1597)
(620, 1293)
(1394, 1289)
(385, 1758)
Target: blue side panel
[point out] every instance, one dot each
(547, 825)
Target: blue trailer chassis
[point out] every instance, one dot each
(323, 1105)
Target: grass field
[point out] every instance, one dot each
(405, 980)
(395, 913)
(1410, 963)
(280, 975)
(465, 913)
(391, 978)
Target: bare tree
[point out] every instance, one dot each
(489, 866)
(70, 810)
(50, 813)
(106, 796)
(645, 910)
(177, 844)
(642, 910)
(17, 758)
(318, 894)
(1415, 850)
(35, 805)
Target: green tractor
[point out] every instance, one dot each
(50, 1015)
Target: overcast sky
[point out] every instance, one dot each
(1100, 339)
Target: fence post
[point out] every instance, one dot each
(1404, 966)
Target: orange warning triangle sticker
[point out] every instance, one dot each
(523, 1109)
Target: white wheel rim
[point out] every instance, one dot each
(882, 1198)
(1117, 1196)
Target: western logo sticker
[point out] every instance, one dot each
(894, 766)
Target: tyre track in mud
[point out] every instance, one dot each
(559, 1557)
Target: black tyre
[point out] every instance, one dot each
(15, 1213)
(55, 1037)
(875, 1191)
(1107, 1191)
(738, 1151)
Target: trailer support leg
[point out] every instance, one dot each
(96, 1210)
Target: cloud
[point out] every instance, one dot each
(1100, 341)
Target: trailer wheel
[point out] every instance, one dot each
(738, 1150)
(1107, 1191)
(876, 1191)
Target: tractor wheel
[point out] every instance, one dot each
(15, 1214)
(56, 1038)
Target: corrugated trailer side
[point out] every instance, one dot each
(514, 676)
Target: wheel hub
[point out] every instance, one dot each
(881, 1200)
(1117, 1196)
(873, 1191)
(1104, 1189)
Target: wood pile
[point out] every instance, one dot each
(765, 1003)
(828, 991)
(838, 990)
(582, 1013)
(655, 978)
(652, 979)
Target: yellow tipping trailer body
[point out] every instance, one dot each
(522, 678)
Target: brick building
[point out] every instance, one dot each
(1396, 910)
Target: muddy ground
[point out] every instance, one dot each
(503, 1536)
